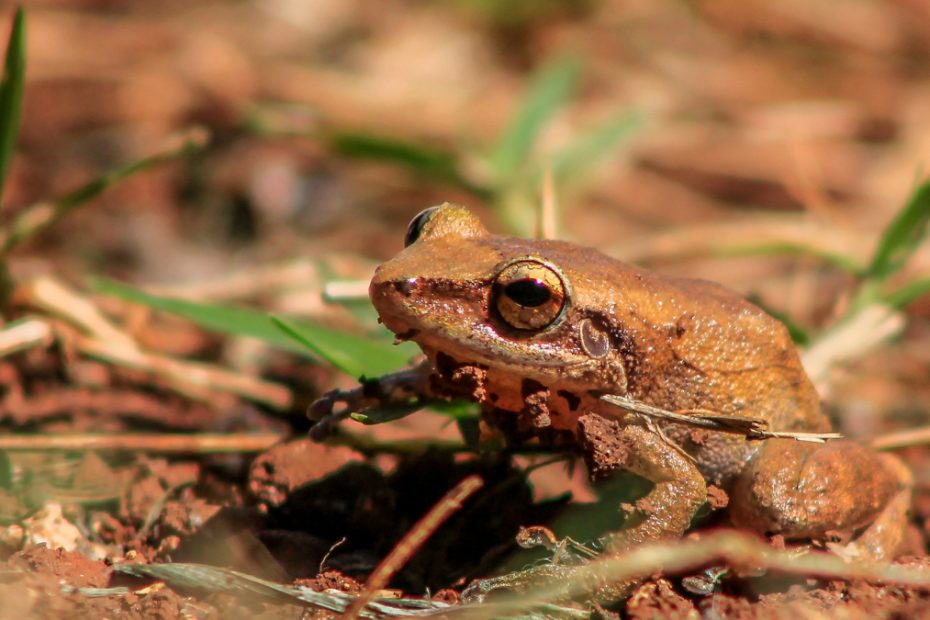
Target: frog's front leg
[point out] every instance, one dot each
(679, 488)
(409, 388)
(803, 490)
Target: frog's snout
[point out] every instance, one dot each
(390, 298)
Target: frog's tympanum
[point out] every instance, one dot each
(537, 331)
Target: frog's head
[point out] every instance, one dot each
(497, 301)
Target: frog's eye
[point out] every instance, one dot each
(415, 227)
(529, 295)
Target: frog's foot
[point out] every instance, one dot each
(556, 577)
(802, 490)
(407, 388)
(333, 407)
(885, 535)
(560, 582)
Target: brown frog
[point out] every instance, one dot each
(537, 331)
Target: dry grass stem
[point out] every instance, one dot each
(345, 290)
(246, 283)
(46, 293)
(752, 428)
(730, 547)
(548, 208)
(103, 340)
(849, 340)
(413, 540)
(189, 378)
(161, 443)
(903, 439)
(25, 334)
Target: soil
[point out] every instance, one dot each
(762, 127)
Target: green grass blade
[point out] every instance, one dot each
(353, 354)
(433, 163)
(11, 93)
(594, 145)
(908, 293)
(38, 217)
(799, 335)
(903, 235)
(548, 91)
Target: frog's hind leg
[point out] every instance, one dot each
(804, 490)
(885, 535)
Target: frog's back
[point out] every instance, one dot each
(691, 343)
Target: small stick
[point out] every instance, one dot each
(729, 547)
(109, 343)
(345, 290)
(752, 428)
(548, 207)
(162, 443)
(413, 540)
(902, 439)
(189, 378)
(25, 334)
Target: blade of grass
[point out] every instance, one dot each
(353, 354)
(431, 162)
(908, 293)
(547, 93)
(11, 93)
(799, 335)
(594, 145)
(902, 236)
(40, 216)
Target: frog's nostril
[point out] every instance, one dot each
(405, 287)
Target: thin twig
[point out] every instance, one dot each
(162, 443)
(25, 334)
(548, 227)
(413, 540)
(51, 295)
(345, 290)
(903, 439)
(851, 339)
(751, 428)
(189, 378)
(109, 343)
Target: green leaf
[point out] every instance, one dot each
(549, 90)
(353, 354)
(11, 92)
(902, 236)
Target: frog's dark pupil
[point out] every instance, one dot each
(416, 225)
(528, 292)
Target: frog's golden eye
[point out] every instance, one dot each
(415, 227)
(529, 295)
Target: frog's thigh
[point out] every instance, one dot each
(667, 510)
(803, 490)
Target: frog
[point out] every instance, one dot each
(539, 332)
